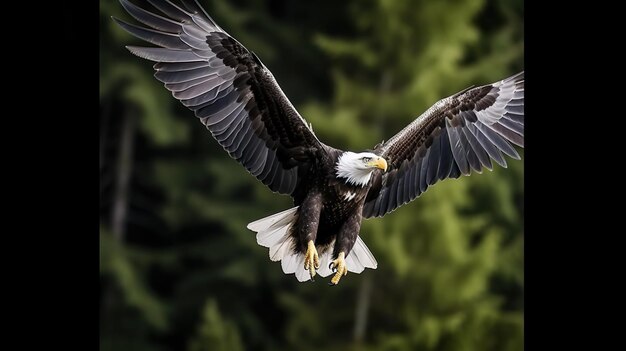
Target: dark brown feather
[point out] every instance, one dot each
(231, 91)
(455, 136)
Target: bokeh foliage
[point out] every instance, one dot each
(179, 269)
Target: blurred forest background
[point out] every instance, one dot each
(180, 271)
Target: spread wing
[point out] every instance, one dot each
(232, 93)
(458, 134)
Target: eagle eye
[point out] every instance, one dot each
(366, 159)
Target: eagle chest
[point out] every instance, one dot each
(340, 202)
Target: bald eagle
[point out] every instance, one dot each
(238, 100)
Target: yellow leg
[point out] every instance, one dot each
(340, 265)
(311, 259)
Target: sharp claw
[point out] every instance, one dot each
(332, 267)
(311, 260)
(338, 267)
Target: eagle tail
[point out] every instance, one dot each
(273, 232)
(357, 260)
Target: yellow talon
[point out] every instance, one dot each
(340, 265)
(311, 258)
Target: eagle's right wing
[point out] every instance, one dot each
(232, 93)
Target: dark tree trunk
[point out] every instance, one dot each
(122, 178)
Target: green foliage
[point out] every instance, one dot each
(117, 262)
(215, 334)
(450, 274)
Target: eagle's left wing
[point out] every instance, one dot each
(458, 134)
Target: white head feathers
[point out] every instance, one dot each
(357, 168)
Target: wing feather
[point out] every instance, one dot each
(232, 93)
(457, 135)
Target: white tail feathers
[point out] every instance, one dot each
(357, 260)
(361, 256)
(273, 232)
(279, 219)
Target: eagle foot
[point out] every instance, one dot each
(311, 259)
(338, 266)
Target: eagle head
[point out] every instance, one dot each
(357, 168)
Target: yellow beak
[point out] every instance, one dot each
(378, 163)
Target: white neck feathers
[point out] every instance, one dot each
(350, 167)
